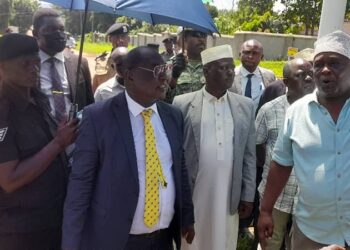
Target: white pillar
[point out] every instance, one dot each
(332, 16)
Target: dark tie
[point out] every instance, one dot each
(248, 88)
(57, 91)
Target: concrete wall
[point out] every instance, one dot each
(275, 45)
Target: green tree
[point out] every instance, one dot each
(6, 9)
(23, 11)
(94, 22)
(347, 12)
(213, 11)
(226, 22)
(303, 12)
(17, 13)
(260, 7)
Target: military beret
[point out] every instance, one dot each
(154, 46)
(118, 29)
(168, 37)
(14, 45)
(181, 29)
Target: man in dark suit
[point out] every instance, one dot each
(58, 69)
(129, 152)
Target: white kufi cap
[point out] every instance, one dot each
(216, 53)
(337, 41)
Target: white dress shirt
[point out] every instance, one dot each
(257, 84)
(166, 195)
(217, 120)
(108, 89)
(45, 78)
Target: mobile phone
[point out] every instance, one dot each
(73, 111)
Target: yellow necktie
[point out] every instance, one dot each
(154, 173)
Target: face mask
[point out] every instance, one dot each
(56, 41)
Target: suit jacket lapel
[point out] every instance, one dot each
(121, 113)
(71, 70)
(236, 115)
(195, 114)
(264, 77)
(170, 130)
(238, 81)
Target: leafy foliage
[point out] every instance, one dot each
(95, 21)
(303, 13)
(23, 14)
(17, 13)
(251, 15)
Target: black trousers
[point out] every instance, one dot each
(159, 240)
(42, 240)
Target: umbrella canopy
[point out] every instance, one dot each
(187, 13)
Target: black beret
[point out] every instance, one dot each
(14, 45)
(153, 45)
(118, 29)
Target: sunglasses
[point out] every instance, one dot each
(197, 34)
(159, 70)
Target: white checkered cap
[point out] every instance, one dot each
(337, 41)
(216, 53)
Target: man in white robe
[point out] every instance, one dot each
(219, 146)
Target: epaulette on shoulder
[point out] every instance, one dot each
(102, 56)
(4, 112)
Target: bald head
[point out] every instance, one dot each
(141, 56)
(252, 43)
(119, 53)
(298, 77)
(291, 66)
(145, 81)
(251, 53)
(118, 56)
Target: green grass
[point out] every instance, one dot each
(95, 48)
(275, 66)
(98, 48)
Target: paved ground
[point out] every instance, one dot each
(91, 61)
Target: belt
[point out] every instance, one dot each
(154, 234)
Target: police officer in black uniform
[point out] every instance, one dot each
(33, 171)
(118, 35)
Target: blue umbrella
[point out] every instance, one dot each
(187, 13)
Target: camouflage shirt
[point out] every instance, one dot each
(191, 79)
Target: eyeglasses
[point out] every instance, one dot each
(160, 69)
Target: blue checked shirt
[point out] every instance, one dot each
(268, 122)
(319, 150)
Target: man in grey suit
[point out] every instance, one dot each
(250, 79)
(219, 149)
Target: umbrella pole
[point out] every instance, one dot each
(183, 39)
(74, 107)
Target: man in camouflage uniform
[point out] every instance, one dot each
(118, 35)
(187, 75)
(168, 43)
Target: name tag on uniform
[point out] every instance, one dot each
(3, 132)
